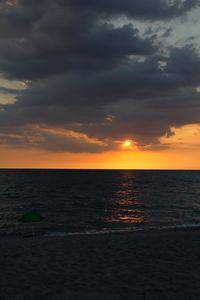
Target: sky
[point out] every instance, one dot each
(100, 84)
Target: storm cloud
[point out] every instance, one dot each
(95, 72)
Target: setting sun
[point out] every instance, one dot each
(127, 143)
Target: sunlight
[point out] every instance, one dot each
(127, 143)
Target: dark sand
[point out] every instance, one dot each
(144, 265)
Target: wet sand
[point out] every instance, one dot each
(142, 265)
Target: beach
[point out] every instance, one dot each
(139, 265)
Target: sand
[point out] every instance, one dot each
(143, 265)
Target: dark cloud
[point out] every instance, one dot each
(91, 75)
(62, 40)
(151, 9)
(185, 63)
(53, 140)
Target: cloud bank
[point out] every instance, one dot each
(95, 73)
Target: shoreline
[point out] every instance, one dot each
(106, 232)
(138, 265)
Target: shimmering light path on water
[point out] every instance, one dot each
(80, 201)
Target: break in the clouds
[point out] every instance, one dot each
(91, 73)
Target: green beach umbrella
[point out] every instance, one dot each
(31, 217)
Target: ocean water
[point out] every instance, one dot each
(96, 202)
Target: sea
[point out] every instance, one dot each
(85, 202)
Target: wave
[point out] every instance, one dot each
(106, 231)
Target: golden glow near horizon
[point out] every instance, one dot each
(183, 153)
(166, 159)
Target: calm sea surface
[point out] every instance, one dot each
(79, 201)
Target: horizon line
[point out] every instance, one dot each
(98, 169)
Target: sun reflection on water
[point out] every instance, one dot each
(125, 218)
(126, 205)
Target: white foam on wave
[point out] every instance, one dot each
(119, 230)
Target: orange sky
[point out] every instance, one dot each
(173, 159)
(183, 154)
